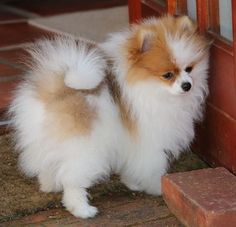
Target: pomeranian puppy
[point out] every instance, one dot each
(85, 111)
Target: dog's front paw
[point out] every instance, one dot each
(83, 211)
(76, 202)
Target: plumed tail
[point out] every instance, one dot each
(81, 64)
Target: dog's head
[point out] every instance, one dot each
(168, 52)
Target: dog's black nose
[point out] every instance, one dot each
(186, 86)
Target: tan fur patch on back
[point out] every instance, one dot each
(68, 112)
(125, 112)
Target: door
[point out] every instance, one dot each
(216, 136)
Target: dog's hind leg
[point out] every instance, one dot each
(75, 200)
(47, 182)
(130, 183)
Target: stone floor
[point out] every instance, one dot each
(130, 209)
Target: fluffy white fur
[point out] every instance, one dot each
(165, 122)
(64, 55)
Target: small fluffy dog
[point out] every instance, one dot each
(85, 111)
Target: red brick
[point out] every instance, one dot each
(200, 198)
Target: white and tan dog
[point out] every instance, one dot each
(85, 111)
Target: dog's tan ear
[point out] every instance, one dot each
(139, 43)
(186, 24)
(145, 40)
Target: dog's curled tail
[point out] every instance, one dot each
(81, 63)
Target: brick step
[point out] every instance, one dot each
(202, 198)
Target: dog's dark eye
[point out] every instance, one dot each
(168, 75)
(188, 69)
